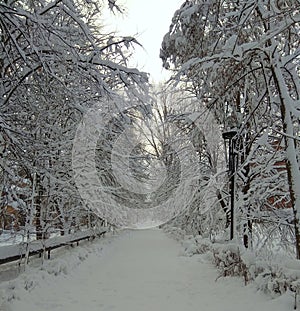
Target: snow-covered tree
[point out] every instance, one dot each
(242, 60)
(55, 63)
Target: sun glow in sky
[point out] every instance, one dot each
(148, 21)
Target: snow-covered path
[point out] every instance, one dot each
(142, 271)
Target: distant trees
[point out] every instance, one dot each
(241, 60)
(184, 123)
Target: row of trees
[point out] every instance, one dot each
(240, 59)
(235, 64)
(56, 62)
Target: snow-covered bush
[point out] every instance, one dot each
(271, 277)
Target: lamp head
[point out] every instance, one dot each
(229, 134)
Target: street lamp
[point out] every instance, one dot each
(229, 136)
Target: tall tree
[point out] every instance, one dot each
(241, 59)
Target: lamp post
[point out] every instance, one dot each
(229, 136)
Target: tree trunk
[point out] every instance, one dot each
(38, 209)
(224, 207)
(292, 165)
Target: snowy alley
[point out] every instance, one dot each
(142, 270)
(182, 116)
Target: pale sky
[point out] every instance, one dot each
(148, 21)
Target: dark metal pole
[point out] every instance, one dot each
(229, 135)
(232, 173)
(232, 206)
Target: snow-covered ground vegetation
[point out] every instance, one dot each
(274, 276)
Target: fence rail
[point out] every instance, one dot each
(15, 252)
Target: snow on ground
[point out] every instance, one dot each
(141, 270)
(11, 237)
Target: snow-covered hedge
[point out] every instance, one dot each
(273, 278)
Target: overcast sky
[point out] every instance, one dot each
(149, 21)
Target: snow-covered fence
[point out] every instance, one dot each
(15, 252)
